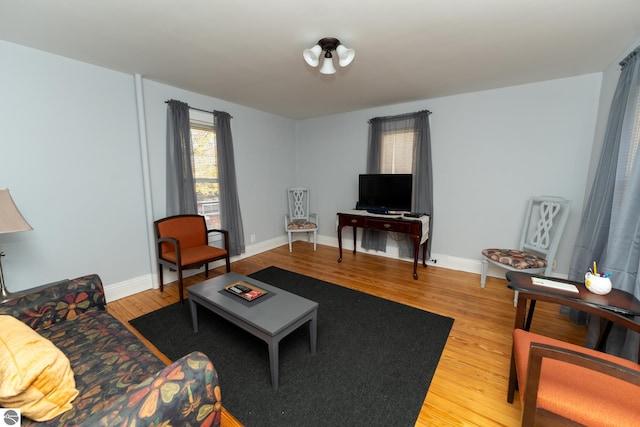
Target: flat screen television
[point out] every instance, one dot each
(385, 193)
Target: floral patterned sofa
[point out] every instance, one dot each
(118, 379)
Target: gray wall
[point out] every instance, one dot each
(71, 156)
(491, 151)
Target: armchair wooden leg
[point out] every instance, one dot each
(228, 261)
(161, 279)
(180, 286)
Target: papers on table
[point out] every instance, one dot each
(554, 285)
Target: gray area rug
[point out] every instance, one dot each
(374, 363)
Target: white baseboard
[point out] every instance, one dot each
(129, 287)
(468, 265)
(132, 286)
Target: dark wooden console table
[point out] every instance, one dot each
(399, 224)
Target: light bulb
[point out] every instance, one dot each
(312, 56)
(327, 66)
(345, 56)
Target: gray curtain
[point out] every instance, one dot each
(610, 227)
(181, 193)
(421, 169)
(230, 216)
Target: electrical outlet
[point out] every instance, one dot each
(434, 260)
(554, 265)
(253, 238)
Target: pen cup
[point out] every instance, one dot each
(597, 284)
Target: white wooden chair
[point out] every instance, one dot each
(299, 220)
(543, 226)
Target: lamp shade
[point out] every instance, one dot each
(345, 55)
(11, 221)
(312, 56)
(327, 66)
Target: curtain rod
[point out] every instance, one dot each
(401, 116)
(197, 109)
(626, 60)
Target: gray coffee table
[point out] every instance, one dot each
(270, 317)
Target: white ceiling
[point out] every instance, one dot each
(249, 52)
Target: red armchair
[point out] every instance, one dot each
(565, 384)
(183, 244)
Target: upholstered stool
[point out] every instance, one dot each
(514, 258)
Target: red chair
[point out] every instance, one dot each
(565, 384)
(183, 244)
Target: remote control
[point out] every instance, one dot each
(242, 288)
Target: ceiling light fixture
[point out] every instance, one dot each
(327, 44)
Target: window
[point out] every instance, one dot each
(205, 172)
(397, 151)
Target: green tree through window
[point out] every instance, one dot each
(205, 170)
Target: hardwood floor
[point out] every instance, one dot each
(470, 384)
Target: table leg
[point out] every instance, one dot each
(532, 307)
(273, 362)
(354, 239)
(340, 242)
(194, 314)
(424, 254)
(274, 343)
(313, 333)
(521, 321)
(416, 251)
(513, 378)
(605, 327)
